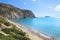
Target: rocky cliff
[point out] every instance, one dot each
(10, 11)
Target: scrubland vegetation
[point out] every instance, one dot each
(9, 31)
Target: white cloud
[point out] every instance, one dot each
(57, 8)
(33, 0)
(24, 3)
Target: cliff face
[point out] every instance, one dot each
(10, 11)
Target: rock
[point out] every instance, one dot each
(10, 11)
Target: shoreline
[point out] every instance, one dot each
(33, 34)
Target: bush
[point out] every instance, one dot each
(7, 24)
(20, 37)
(21, 33)
(9, 30)
(1, 35)
(17, 36)
(18, 31)
(7, 38)
(6, 30)
(14, 30)
(25, 38)
(2, 19)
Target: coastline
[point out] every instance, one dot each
(33, 34)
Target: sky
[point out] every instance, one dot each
(40, 8)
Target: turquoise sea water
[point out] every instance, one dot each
(49, 26)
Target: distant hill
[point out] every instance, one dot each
(47, 16)
(10, 11)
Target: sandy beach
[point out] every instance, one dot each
(32, 34)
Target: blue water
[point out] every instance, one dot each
(49, 26)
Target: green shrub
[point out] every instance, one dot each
(14, 30)
(7, 24)
(21, 33)
(25, 38)
(7, 38)
(9, 30)
(18, 31)
(1, 35)
(6, 30)
(17, 36)
(2, 19)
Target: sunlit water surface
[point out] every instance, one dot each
(49, 26)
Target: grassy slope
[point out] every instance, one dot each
(9, 31)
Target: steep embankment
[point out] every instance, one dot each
(10, 11)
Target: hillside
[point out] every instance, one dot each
(9, 31)
(10, 11)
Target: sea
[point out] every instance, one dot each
(48, 26)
